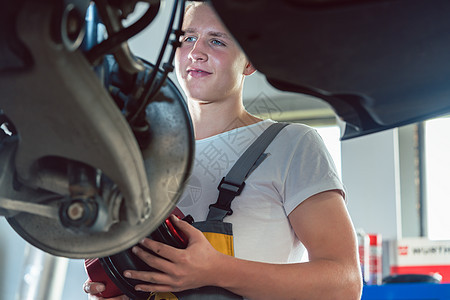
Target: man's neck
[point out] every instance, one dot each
(213, 118)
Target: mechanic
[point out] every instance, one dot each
(292, 202)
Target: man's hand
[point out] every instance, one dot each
(179, 269)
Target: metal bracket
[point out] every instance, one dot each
(43, 210)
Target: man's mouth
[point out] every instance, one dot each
(198, 72)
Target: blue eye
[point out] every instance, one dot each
(218, 43)
(190, 39)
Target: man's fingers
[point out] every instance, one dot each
(93, 287)
(161, 261)
(187, 229)
(161, 249)
(151, 278)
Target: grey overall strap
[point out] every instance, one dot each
(233, 183)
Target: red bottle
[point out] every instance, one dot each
(375, 260)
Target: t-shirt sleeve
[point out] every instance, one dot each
(311, 171)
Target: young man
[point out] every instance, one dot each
(292, 201)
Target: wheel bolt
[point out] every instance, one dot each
(75, 211)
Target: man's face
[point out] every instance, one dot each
(210, 66)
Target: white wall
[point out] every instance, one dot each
(370, 172)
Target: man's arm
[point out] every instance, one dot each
(324, 227)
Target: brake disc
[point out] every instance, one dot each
(167, 162)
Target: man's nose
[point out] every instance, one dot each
(198, 52)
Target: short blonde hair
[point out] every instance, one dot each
(191, 3)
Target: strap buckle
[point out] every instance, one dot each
(230, 187)
(227, 193)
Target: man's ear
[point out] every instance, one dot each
(249, 69)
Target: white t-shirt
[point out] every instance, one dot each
(297, 167)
